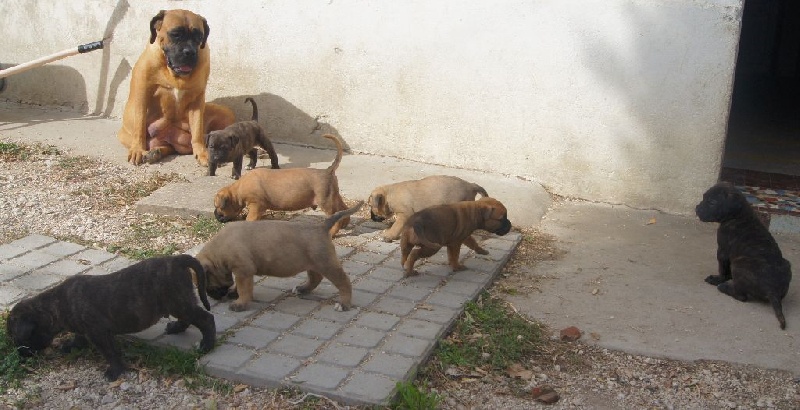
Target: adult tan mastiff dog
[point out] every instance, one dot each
(242, 250)
(290, 189)
(450, 225)
(166, 111)
(402, 199)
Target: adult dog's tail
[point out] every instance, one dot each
(255, 108)
(339, 151)
(341, 214)
(194, 264)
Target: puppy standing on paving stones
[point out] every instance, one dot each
(95, 308)
(242, 250)
(290, 189)
(751, 265)
(236, 140)
(450, 225)
(402, 199)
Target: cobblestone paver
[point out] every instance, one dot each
(356, 357)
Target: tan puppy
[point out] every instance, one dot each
(450, 225)
(402, 199)
(166, 111)
(241, 250)
(290, 189)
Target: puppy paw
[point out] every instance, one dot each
(459, 268)
(176, 326)
(715, 279)
(152, 156)
(238, 307)
(205, 346)
(481, 251)
(387, 239)
(410, 273)
(113, 372)
(340, 307)
(299, 290)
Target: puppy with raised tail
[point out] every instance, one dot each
(95, 308)
(242, 250)
(402, 199)
(450, 226)
(751, 265)
(240, 138)
(290, 189)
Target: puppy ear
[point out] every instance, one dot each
(487, 213)
(22, 330)
(205, 140)
(378, 200)
(234, 140)
(155, 25)
(206, 30)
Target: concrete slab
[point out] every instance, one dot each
(358, 174)
(632, 280)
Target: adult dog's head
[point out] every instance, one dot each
(226, 207)
(378, 207)
(181, 34)
(495, 216)
(721, 203)
(30, 329)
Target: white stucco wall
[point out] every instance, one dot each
(621, 101)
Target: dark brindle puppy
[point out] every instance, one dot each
(95, 308)
(751, 265)
(231, 143)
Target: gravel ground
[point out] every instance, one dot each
(90, 202)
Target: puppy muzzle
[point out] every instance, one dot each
(376, 218)
(504, 228)
(217, 293)
(221, 217)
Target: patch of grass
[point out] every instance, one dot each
(137, 253)
(204, 227)
(489, 334)
(12, 366)
(10, 151)
(411, 397)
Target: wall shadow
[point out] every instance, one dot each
(116, 16)
(287, 124)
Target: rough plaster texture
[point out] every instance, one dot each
(622, 101)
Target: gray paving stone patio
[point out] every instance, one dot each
(355, 357)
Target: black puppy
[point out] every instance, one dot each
(95, 308)
(236, 140)
(751, 265)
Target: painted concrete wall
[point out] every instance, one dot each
(621, 101)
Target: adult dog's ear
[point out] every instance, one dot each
(155, 25)
(206, 30)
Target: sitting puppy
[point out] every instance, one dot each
(751, 265)
(402, 199)
(242, 250)
(232, 142)
(95, 308)
(290, 189)
(450, 225)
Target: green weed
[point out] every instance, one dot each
(410, 397)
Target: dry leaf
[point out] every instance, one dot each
(651, 221)
(115, 384)
(239, 388)
(518, 372)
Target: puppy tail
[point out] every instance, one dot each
(479, 189)
(341, 214)
(255, 108)
(339, 151)
(195, 265)
(778, 308)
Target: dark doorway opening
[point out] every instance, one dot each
(762, 148)
(763, 142)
